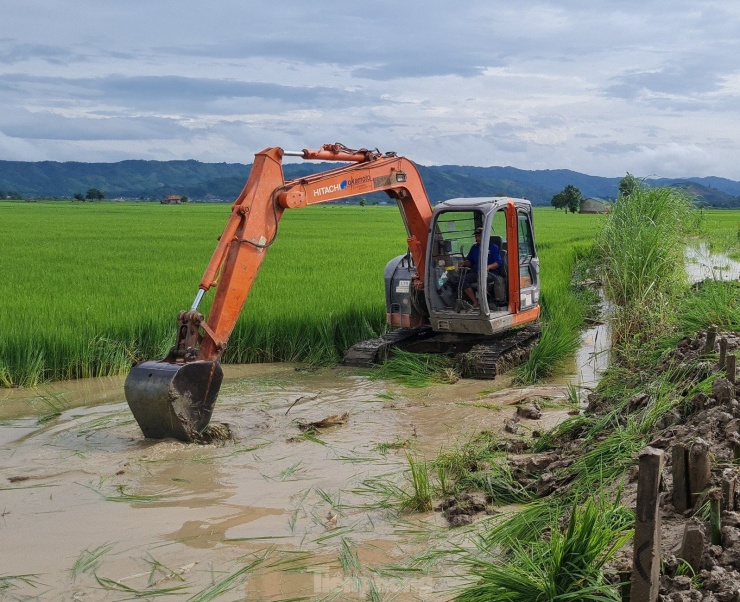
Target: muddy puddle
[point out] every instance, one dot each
(90, 510)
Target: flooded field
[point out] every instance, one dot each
(91, 510)
(701, 264)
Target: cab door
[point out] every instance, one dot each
(529, 265)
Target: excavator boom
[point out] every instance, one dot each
(174, 397)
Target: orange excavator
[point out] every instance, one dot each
(436, 299)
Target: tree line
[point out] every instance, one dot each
(93, 194)
(571, 199)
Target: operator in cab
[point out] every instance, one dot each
(472, 261)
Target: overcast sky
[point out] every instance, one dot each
(601, 87)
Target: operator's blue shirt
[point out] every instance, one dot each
(493, 257)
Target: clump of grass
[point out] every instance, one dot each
(417, 369)
(560, 340)
(711, 302)
(480, 464)
(415, 495)
(642, 246)
(569, 565)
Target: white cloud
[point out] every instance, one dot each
(594, 86)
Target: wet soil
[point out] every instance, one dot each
(88, 507)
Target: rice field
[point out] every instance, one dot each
(89, 289)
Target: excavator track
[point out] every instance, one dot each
(488, 359)
(372, 352)
(482, 358)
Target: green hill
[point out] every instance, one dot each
(223, 181)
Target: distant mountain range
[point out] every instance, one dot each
(223, 181)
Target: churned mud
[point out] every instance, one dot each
(288, 504)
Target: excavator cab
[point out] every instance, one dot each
(506, 297)
(503, 295)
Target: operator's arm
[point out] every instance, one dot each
(494, 258)
(472, 258)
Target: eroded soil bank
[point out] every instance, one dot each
(89, 508)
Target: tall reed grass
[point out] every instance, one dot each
(642, 247)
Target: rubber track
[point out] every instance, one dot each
(489, 359)
(366, 354)
(484, 360)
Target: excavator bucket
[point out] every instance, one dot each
(173, 400)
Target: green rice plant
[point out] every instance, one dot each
(349, 561)
(89, 560)
(569, 565)
(55, 404)
(167, 574)
(148, 593)
(560, 340)
(480, 465)
(305, 305)
(420, 499)
(228, 583)
(10, 582)
(417, 369)
(568, 429)
(413, 495)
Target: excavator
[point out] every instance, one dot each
(428, 308)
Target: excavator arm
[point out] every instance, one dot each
(174, 397)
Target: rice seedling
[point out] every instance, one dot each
(126, 497)
(349, 561)
(566, 566)
(55, 405)
(89, 560)
(148, 592)
(224, 585)
(479, 464)
(10, 582)
(412, 494)
(288, 473)
(160, 573)
(384, 448)
(417, 369)
(420, 499)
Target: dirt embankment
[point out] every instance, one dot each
(695, 410)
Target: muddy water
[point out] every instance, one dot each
(701, 264)
(88, 507)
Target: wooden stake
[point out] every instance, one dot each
(722, 353)
(646, 567)
(730, 368)
(700, 469)
(692, 546)
(715, 520)
(680, 471)
(728, 489)
(711, 339)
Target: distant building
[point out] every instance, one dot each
(171, 199)
(595, 206)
